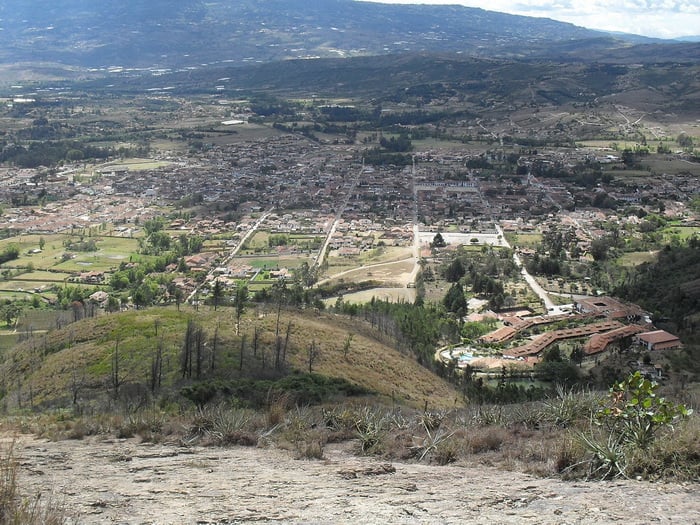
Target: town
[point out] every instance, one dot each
(252, 202)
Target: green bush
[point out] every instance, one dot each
(302, 389)
(626, 428)
(636, 413)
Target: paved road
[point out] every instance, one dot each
(338, 216)
(552, 309)
(236, 249)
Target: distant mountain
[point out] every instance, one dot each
(694, 38)
(642, 77)
(181, 33)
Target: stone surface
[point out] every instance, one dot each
(122, 481)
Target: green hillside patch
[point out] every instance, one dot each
(78, 361)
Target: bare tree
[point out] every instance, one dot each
(117, 378)
(199, 351)
(279, 289)
(76, 385)
(255, 341)
(346, 345)
(188, 349)
(240, 361)
(157, 367)
(240, 301)
(214, 348)
(314, 354)
(286, 342)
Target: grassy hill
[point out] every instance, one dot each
(77, 363)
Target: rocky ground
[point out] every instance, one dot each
(123, 481)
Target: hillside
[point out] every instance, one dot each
(48, 370)
(178, 34)
(447, 84)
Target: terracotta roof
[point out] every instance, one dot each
(658, 336)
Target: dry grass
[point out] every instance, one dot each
(501, 437)
(81, 354)
(18, 509)
(369, 363)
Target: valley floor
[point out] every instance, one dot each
(122, 481)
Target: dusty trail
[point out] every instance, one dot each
(121, 481)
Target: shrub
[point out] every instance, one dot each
(568, 406)
(371, 425)
(636, 413)
(302, 432)
(626, 427)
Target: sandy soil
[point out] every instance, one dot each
(121, 481)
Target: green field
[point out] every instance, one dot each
(7, 340)
(683, 233)
(524, 240)
(272, 262)
(110, 252)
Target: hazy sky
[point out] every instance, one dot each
(657, 18)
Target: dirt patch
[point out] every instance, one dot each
(122, 481)
(393, 295)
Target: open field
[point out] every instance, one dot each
(447, 145)
(243, 133)
(111, 251)
(9, 294)
(524, 240)
(134, 164)
(389, 273)
(393, 295)
(15, 285)
(271, 261)
(669, 164)
(42, 276)
(8, 339)
(636, 258)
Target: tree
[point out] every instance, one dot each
(116, 377)
(240, 300)
(113, 304)
(192, 350)
(157, 367)
(240, 359)
(685, 141)
(599, 249)
(217, 293)
(455, 301)
(438, 241)
(313, 353)
(559, 372)
(552, 355)
(577, 355)
(454, 271)
(11, 311)
(346, 345)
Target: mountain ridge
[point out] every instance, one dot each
(192, 32)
